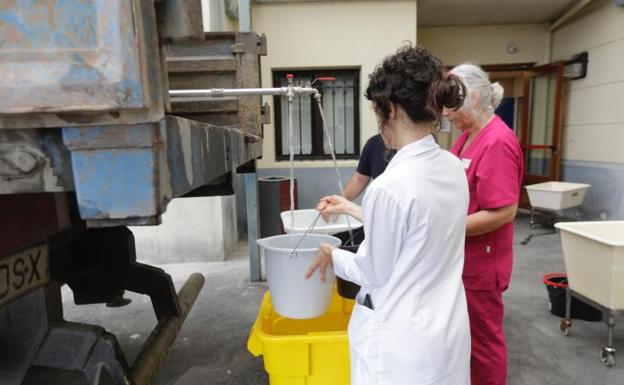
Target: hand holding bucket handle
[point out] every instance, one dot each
(322, 260)
(334, 205)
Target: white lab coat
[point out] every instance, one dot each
(411, 266)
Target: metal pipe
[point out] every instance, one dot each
(162, 337)
(253, 224)
(216, 14)
(291, 155)
(220, 92)
(333, 155)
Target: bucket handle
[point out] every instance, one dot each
(293, 253)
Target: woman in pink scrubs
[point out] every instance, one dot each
(494, 165)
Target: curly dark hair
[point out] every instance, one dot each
(413, 79)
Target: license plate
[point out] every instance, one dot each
(22, 272)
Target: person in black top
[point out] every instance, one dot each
(373, 161)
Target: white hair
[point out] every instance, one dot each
(475, 79)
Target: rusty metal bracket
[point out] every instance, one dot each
(262, 45)
(19, 161)
(265, 112)
(162, 337)
(228, 60)
(237, 48)
(157, 284)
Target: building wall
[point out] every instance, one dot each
(594, 120)
(214, 17)
(192, 230)
(328, 35)
(487, 44)
(594, 117)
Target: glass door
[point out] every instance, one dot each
(542, 122)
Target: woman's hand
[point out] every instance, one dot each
(323, 259)
(336, 205)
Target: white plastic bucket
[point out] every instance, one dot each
(292, 295)
(305, 218)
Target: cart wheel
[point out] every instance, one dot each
(564, 327)
(607, 356)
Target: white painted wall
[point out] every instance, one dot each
(192, 230)
(487, 44)
(330, 34)
(594, 117)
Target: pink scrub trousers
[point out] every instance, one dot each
(488, 357)
(494, 168)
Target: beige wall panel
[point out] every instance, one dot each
(606, 65)
(594, 116)
(594, 143)
(595, 105)
(599, 24)
(327, 35)
(487, 44)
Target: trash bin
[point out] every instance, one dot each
(345, 288)
(557, 284)
(273, 198)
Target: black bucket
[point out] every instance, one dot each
(557, 284)
(348, 289)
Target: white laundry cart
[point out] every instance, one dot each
(594, 259)
(555, 196)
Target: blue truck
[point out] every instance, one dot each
(91, 142)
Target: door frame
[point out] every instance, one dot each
(557, 134)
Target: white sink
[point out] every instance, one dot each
(556, 195)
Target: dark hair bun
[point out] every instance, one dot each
(447, 91)
(412, 78)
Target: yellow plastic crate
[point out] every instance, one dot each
(303, 352)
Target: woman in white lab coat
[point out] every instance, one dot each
(410, 322)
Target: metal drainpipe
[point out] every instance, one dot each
(251, 179)
(244, 15)
(216, 15)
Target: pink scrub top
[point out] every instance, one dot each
(494, 166)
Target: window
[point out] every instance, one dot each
(340, 99)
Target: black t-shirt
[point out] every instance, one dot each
(374, 157)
